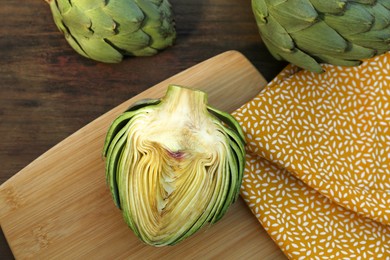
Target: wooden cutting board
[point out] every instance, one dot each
(59, 207)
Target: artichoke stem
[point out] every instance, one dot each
(185, 103)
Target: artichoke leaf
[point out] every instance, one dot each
(275, 33)
(320, 38)
(143, 103)
(100, 50)
(88, 4)
(339, 61)
(112, 167)
(158, 22)
(296, 56)
(329, 6)
(57, 18)
(275, 2)
(385, 3)
(102, 25)
(358, 18)
(116, 126)
(261, 10)
(377, 40)
(129, 18)
(130, 42)
(366, 2)
(382, 17)
(356, 52)
(62, 6)
(77, 23)
(300, 11)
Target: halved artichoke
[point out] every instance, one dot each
(173, 165)
(106, 30)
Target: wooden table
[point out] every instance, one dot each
(48, 91)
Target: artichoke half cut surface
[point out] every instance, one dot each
(173, 165)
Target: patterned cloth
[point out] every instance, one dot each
(318, 167)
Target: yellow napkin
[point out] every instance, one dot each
(318, 170)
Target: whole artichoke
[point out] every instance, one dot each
(308, 32)
(173, 165)
(106, 30)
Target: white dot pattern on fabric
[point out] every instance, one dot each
(305, 223)
(325, 139)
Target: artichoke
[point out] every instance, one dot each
(173, 165)
(106, 30)
(308, 32)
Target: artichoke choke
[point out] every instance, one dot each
(106, 30)
(173, 165)
(308, 32)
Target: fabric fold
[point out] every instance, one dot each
(306, 224)
(329, 134)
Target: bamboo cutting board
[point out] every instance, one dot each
(59, 207)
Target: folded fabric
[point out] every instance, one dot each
(318, 171)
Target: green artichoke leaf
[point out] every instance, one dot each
(358, 18)
(339, 61)
(143, 103)
(100, 50)
(173, 165)
(366, 2)
(382, 17)
(113, 146)
(300, 11)
(329, 6)
(320, 38)
(75, 45)
(147, 51)
(102, 24)
(129, 17)
(112, 167)
(385, 3)
(275, 2)
(356, 52)
(155, 25)
(377, 40)
(56, 11)
(233, 164)
(132, 42)
(62, 6)
(88, 4)
(261, 10)
(276, 34)
(77, 23)
(296, 56)
(116, 126)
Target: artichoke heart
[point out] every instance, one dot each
(173, 165)
(108, 30)
(309, 32)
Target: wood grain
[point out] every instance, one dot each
(59, 207)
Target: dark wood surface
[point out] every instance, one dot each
(48, 91)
